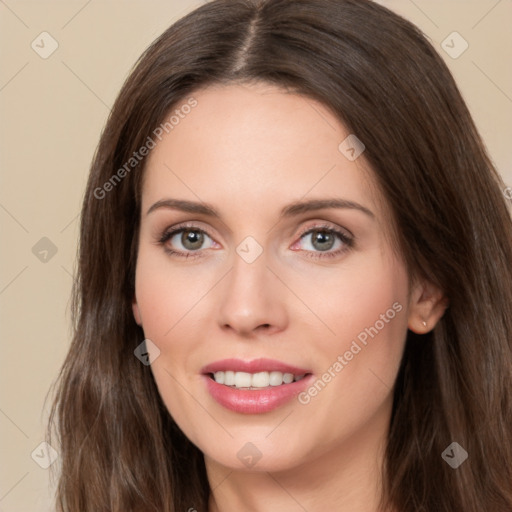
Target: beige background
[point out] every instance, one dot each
(52, 113)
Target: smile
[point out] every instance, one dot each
(245, 380)
(254, 387)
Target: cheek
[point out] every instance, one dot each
(364, 300)
(166, 293)
(366, 309)
(171, 302)
(379, 321)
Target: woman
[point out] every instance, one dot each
(294, 287)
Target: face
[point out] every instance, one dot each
(266, 281)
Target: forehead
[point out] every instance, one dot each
(253, 148)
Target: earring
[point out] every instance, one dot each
(424, 323)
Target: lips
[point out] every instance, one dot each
(254, 366)
(256, 386)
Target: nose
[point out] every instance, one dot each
(252, 299)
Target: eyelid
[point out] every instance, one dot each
(327, 226)
(191, 225)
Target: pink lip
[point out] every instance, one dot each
(254, 366)
(254, 401)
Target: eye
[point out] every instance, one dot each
(320, 240)
(185, 240)
(324, 241)
(317, 242)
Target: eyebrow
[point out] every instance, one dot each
(290, 210)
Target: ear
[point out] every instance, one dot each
(427, 305)
(136, 312)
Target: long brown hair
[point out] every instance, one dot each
(120, 449)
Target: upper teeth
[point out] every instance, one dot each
(254, 380)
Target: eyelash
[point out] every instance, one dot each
(347, 240)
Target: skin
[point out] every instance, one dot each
(249, 151)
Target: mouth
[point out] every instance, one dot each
(253, 387)
(254, 374)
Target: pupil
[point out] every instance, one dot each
(192, 239)
(322, 240)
